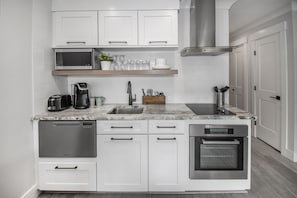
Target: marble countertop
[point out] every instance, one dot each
(151, 112)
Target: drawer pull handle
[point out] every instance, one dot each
(66, 168)
(114, 139)
(166, 138)
(76, 42)
(166, 127)
(121, 127)
(119, 42)
(152, 42)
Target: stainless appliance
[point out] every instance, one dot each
(218, 151)
(202, 30)
(74, 59)
(81, 98)
(67, 139)
(58, 102)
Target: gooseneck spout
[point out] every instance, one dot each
(129, 91)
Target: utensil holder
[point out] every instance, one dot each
(153, 99)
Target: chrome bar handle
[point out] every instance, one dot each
(124, 139)
(66, 168)
(166, 127)
(121, 127)
(235, 142)
(166, 138)
(118, 42)
(76, 42)
(153, 42)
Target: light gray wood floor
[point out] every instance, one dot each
(273, 176)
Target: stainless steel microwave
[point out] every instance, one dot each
(74, 59)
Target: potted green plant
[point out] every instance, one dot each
(105, 61)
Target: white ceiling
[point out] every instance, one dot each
(245, 12)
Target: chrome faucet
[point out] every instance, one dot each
(129, 91)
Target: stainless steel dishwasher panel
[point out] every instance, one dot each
(67, 139)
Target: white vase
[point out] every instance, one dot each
(105, 65)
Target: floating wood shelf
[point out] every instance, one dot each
(114, 72)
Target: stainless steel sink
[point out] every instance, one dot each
(127, 110)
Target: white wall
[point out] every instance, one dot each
(194, 83)
(66, 5)
(16, 136)
(247, 12)
(294, 22)
(45, 84)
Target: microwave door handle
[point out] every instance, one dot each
(235, 142)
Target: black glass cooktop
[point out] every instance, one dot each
(208, 109)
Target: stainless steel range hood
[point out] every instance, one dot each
(202, 30)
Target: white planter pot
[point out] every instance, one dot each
(105, 65)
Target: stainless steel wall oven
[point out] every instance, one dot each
(218, 151)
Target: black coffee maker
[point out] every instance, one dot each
(81, 96)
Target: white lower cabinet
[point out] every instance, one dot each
(67, 176)
(122, 163)
(166, 159)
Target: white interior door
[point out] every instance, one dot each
(268, 89)
(237, 77)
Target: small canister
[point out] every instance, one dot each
(100, 100)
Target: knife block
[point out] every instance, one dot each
(153, 99)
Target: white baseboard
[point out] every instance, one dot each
(289, 154)
(295, 157)
(31, 193)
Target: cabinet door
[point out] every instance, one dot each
(67, 176)
(122, 163)
(75, 28)
(118, 28)
(166, 163)
(158, 28)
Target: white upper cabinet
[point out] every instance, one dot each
(75, 28)
(158, 28)
(118, 28)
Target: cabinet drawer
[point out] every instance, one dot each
(120, 127)
(67, 176)
(166, 126)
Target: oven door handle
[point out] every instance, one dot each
(235, 142)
